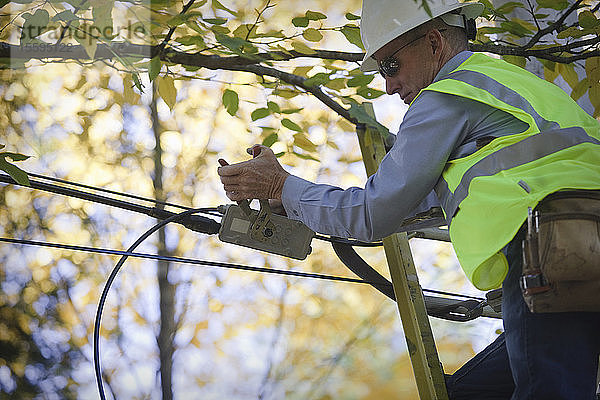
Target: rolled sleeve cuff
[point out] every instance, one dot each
(293, 188)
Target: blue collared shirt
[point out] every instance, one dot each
(436, 128)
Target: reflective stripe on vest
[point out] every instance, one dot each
(500, 91)
(522, 152)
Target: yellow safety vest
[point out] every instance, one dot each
(486, 195)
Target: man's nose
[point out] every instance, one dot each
(391, 85)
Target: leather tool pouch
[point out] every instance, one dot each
(561, 253)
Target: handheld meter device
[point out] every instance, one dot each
(261, 230)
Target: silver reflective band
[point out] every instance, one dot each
(523, 152)
(503, 93)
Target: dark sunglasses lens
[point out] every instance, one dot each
(388, 68)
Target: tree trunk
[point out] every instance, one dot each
(166, 289)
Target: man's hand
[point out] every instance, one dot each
(259, 178)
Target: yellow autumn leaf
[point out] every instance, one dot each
(569, 74)
(166, 89)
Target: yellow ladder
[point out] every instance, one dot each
(409, 295)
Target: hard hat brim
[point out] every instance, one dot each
(469, 10)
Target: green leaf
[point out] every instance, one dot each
(218, 5)
(270, 140)
(352, 17)
(369, 93)
(166, 89)
(314, 15)
(16, 173)
(312, 35)
(515, 60)
(588, 20)
(592, 69)
(300, 22)
(65, 16)
(302, 48)
(291, 110)
(288, 123)
(154, 68)
(554, 4)
(515, 28)
(259, 113)
(317, 79)
(508, 7)
(302, 71)
(305, 156)
(569, 74)
(336, 84)
(352, 34)
(580, 89)
(235, 44)
(231, 101)
(177, 20)
(245, 30)
(273, 107)
(220, 30)
(102, 15)
(215, 21)
(594, 95)
(137, 82)
(358, 112)
(360, 80)
(34, 25)
(191, 41)
(572, 31)
(425, 6)
(303, 142)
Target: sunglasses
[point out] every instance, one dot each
(389, 66)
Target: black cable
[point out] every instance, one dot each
(183, 260)
(111, 278)
(193, 222)
(99, 189)
(137, 208)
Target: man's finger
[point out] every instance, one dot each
(230, 170)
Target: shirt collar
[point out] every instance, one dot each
(452, 64)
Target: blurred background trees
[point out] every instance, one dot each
(143, 97)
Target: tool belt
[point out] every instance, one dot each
(561, 253)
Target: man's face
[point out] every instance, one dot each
(416, 61)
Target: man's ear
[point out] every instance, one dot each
(435, 40)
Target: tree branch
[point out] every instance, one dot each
(158, 50)
(550, 28)
(299, 82)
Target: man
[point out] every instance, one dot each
(472, 134)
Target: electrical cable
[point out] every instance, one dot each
(114, 272)
(111, 278)
(99, 189)
(153, 212)
(183, 260)
(215, 264)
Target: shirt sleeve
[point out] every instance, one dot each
(433, 126)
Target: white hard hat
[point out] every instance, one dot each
(384, 20)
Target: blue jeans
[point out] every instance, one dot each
(539, 356)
